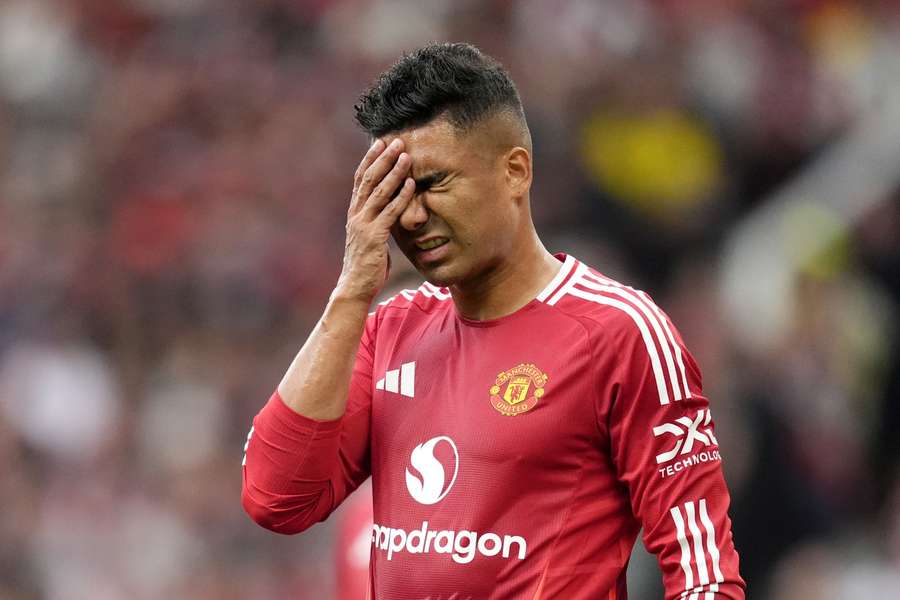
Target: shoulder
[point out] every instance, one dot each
(600, 302)
(628, 326)
(426, 299)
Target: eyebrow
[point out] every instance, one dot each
(426, 181)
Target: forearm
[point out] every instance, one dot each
(292, 475)
(317, 383)
(307, 448)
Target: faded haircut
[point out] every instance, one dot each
(456, 81)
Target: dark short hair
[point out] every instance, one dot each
(457, 81)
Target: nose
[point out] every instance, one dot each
(415, 215)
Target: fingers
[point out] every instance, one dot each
(356, 200)
(373, 152)
(395, 207)
(388, 188)
(372, 175)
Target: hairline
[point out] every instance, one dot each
(514, 115)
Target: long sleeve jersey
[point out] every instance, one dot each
(517, 457)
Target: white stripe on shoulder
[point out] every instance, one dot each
(642, 327)
(387, 301)
(580, 270)
(564, 270)
(431, 290)
(656, 320)
(669, 334)
(406, 294)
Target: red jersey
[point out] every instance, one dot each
(516, 457)
(353, 545)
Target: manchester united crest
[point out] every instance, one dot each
(518, 390)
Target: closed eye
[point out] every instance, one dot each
(426, 182)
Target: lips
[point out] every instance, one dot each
(429, 250)
(431, 243)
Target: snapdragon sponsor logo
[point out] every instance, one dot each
(462, 546)
(434, 465)
(430, 487)
(686, 431)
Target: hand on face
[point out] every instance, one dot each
(382, 189)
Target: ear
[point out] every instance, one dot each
(518, 171)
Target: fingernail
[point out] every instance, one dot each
(396, 143)
(377, 143)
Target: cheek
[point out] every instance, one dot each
(485, 233)
(474, 213)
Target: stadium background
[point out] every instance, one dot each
(173, 184)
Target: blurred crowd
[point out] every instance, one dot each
(174, 177)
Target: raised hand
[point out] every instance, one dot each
(382, 189)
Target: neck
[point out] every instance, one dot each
(509, 285)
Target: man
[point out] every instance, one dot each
(521, 415)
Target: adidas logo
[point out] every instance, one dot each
(402, 380)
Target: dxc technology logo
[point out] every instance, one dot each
(686, 431)
(430, 488)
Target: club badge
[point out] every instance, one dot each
(518, 390)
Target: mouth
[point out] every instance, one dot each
(431, 243)
(431, 251)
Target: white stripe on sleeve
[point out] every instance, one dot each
(685, 549)
(711, 546)
(662, 318)
(645, 334)
(678, 355)
(699, 553)
(652, 319)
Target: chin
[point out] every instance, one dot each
(443, 275)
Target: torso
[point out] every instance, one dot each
(510, 406)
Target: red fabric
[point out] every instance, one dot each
(472, 502)
(354, 546)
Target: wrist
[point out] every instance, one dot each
(346, 296)
(354, 289)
